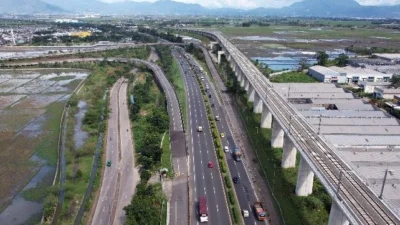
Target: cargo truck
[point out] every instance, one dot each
(203, 214)
(237, 154)
(260, 211)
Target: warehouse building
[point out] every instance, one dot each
(347, 74)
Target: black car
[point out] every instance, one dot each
(236, 180)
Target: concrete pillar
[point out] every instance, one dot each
(247, 85)
(336, 216)
(305, 179)
(239, 76)
(289, 153)
(243, 81)
(219, 56)
(277, 135)
(258, 104)
(233, 67)
(251, 95)
(266, 118)
(229, 58)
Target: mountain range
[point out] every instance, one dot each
(308, 8)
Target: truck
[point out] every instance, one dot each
(237, 154)
(260, 211)
(203, 214)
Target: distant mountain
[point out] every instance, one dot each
(309, 8)
(28, 7)
(330, 8)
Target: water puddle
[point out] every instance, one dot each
(80, 136)
(21, 210)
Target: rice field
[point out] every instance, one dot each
(31, 106)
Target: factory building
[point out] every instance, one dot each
(347, 74)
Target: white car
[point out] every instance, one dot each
(226, 149)
(200, 129)
(245, 213)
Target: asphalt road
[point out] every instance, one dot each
(205, 181)
(128, 173)
(244, 189)
(262, 191)
(107, 198)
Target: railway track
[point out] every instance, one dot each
(358, 199)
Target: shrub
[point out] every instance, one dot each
(231, 197)
(228, 182)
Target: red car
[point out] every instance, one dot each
(210, 165)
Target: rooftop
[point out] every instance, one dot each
(388, 90)
(393, 56)
(357, 71)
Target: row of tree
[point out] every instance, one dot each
(166, 36)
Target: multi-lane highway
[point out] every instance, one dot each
(244, 189)
(205, 181)
(240, 136)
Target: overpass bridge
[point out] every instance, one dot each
(353, 201)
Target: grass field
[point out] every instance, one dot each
(306, 32)
(166, 154)
(177, 82)
(293, 77)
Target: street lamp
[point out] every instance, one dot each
(257, 129)
(384, 181)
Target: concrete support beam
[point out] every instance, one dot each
(277, 135)
(258, 104)
(213, 44)
(305, 179)
(289, 153)
(336, 216)
(266, 118)
(251, 95)
(220, 53)
(243, 81)
(247, 85)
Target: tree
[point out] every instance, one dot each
(395, 81)
(342, 60)
(322, 58)
(303, 65)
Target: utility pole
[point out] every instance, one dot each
(384, 182)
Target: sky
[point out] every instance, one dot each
(260, 3)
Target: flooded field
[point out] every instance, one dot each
(31, 106)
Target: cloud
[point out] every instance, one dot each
(248, 4)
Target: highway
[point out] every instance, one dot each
(245, 191)
(205, 181)
(240, 136)
(356, 199)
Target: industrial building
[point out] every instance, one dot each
(367, 138)
(369, 87)
(347, 74)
